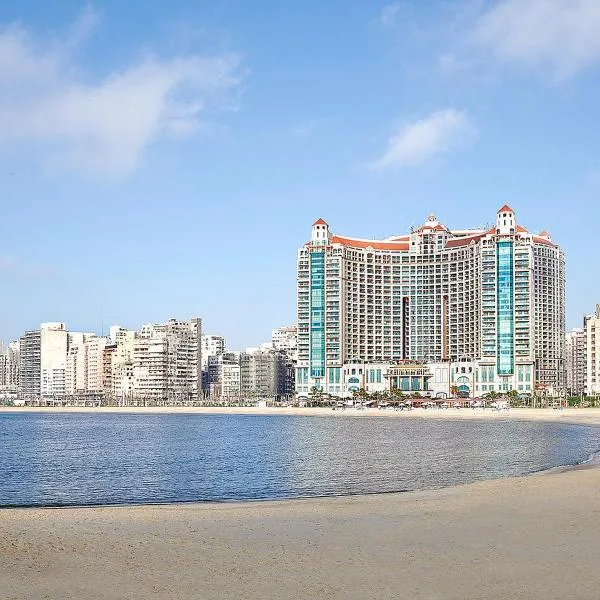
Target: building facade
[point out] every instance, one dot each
(592, 349)
(9, 368)
(575, 362)
(42, 362)
(212, 345)
(286, 340)
(493, 297)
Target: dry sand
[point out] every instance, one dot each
(530, 537)
(589, 416)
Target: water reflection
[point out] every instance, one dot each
(54, 459)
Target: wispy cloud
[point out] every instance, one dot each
(560, 34)
(103, 124)
(418, 142)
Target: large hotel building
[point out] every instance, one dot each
(489, 305)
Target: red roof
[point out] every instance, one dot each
(319, 222)
(436, 227)
(542, 240)
(464, 241)
(544, 234)
(506, 208)
(376, 245)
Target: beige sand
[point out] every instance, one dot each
(532, 537)
(589, 416)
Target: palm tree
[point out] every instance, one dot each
(316, 395)
(397, 395)
(454, 390)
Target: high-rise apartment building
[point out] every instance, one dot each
(166, 362)
(261, 373)
(85, 364)
(43, 359)
(491, 296)
(212, 345)
(9, 368)
(575, 361)
(591, 324)
(286, 339)
(230, 376)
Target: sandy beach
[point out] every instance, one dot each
(583, 416)
(529, 537)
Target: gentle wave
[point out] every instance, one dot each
(65, 460)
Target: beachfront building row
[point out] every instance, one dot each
(167, 363)
(157, 364)
(490, 298)
(582, 357)
(257, 373)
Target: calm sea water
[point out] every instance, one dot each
(87, 459)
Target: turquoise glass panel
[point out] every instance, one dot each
(505, 308)
(317, 314)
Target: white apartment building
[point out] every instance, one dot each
(9, 368)
(494, 298)
(95, 348)
(52, 363)
(592, 348)
(212, 345)
(231, 378)
(286, 339)
(120, 362)
(54, 343)
(158, 364)
(85, 364)
(575, 361)
(75, 372)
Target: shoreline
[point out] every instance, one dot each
(576, 416)
(523, 537)
(583, 417)
(532, 536)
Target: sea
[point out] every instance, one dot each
(88, 459)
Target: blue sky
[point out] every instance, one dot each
(167, 159)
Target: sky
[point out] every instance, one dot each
(167, 159)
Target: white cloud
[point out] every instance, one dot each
(102, 126)
(433, 136)
(561, 34)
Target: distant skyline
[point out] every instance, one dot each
(171, 165)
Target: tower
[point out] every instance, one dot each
(320, 233)
(505, 221)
